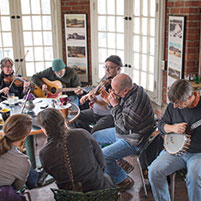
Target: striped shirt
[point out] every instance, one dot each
(134, 116)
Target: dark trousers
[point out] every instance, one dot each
(88, 117)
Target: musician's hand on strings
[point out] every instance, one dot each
(78, 91)
(92, 99)
(180, 128)
(44, 87)
(176, 128)
(5, 90)
(84, 99)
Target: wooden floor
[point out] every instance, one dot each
(136, 193)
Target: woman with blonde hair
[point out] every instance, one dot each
(14, 165)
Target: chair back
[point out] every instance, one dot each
(150, 150)
(111, 194)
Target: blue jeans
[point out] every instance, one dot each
(117, 148)
(32, 179)
(166, 164)
(74, 99)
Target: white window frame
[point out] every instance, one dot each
(156, 96)
(17, 33)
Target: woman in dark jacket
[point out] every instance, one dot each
(85, 156)
(6, 78)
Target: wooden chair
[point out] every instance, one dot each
(111, 194)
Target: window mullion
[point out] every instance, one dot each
(14, 14)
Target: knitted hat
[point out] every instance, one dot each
(115, 59)
(58, 65)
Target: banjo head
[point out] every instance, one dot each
(174, 142)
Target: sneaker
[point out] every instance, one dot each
(126, 184)
(41, 178)
(128, 168)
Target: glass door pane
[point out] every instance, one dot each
(143, 52)
(110, 27)
(6, 40)
(37, 32)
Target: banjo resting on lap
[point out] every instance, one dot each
(178, 143)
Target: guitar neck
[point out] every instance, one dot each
(85, 89)
(67, 89)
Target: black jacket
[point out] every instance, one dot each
(87, 161)
(18, 91)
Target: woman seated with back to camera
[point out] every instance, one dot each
(86, 158)
(14, 165)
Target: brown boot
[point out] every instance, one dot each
(126, 184)
(128, 168)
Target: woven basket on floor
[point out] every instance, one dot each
(111, 194)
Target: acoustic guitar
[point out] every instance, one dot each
(54, 89)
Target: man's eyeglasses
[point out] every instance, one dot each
(179, 103)
(109, 67)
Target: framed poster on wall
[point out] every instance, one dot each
(176, 34)
(76, 44)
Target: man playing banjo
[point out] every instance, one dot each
(182, 116)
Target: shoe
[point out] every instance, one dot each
(41, 177)
(145, 174)
(128, 168)
(126, 184)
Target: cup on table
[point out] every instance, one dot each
(63, 99)
(16, 99)
(5, 113)
(11, 100)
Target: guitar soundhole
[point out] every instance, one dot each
(53, 90)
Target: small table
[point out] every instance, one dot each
(40, 104)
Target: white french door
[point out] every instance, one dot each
(132, 30)
(28, 33)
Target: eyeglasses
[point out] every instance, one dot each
(109, 67)
(7, 67)
(179, 103)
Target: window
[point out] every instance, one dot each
(27, 30)
(130, 29)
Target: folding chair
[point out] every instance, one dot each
(181, 173)
(148, 153)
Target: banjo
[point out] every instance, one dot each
(178, 143)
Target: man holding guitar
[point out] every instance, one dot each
(182, 117)
(59, 75)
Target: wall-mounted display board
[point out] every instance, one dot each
(76, 44)
(176, 34)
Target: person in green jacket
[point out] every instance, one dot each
(59, 71)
